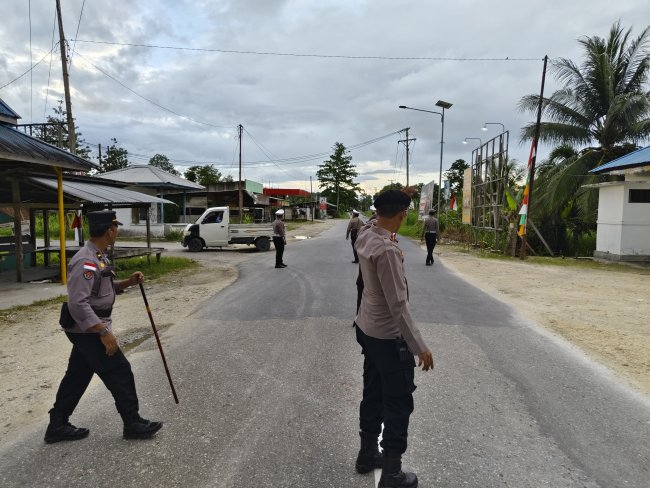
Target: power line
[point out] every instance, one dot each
(277, 161)
(31, 74)
(49, 73)
(261, 148)
(76, 34)
(29, 70)
(305, 55)
(148, 99)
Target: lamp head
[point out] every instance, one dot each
(484, 128)
(443, 104)
(403, 106)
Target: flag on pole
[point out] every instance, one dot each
(523, 211)
(76, 225)
(453, 205)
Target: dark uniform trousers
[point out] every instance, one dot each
(278, 242)
(430, 239)
(353, 239)
(388, 386)
(359, 289)
(89, 357)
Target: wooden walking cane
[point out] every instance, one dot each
(155, 333)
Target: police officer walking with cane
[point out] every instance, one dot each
(389, 339)
(86, 319)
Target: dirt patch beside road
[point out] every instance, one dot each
(603, 310)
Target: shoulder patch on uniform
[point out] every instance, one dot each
(89, 274)
(90, 266)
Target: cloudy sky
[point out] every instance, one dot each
(299, 76)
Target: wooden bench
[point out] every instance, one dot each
(120, 252)
(8, 251)
(123, 252)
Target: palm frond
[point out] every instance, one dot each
(557, 133)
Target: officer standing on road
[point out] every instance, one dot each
(88, 326)
(373, 209)
(353, 230)
(388, 339)
(279, 238)
(430, 231)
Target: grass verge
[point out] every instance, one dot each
(124, 269)
(8, 315)
(548, 261)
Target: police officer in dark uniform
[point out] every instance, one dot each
(279, 239)
(353, 230)
(389, 339)
(430, 231)
(86, 319)
(373, 217)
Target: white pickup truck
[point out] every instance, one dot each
(213, 229)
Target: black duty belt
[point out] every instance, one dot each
(103, 313)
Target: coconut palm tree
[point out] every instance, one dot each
(602, 113)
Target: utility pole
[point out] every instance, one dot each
(72, 139)
(241, 195)
(406, 143)
(311, 197)
(531, 165)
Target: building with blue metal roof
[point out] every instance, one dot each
(623, 232)
(637, 159)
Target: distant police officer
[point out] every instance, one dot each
(279, 238)
(389, 339)
(430, 231)
(373, 209)
(353, 230)
(88, 326)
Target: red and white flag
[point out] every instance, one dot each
(453, 205)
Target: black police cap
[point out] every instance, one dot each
(393, 198)
(103, 218)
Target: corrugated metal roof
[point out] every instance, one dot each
(7, 111)
(18, 147)
(148, 175)
(90, 192)
(640, 157)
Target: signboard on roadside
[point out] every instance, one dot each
(323, 203)
(426, 199)
(467, 196)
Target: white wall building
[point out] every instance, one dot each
(623, 232)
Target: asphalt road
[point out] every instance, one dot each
(268, 375)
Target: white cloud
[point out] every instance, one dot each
(296, 105)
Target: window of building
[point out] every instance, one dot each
(639, 196)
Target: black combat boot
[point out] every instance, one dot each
(139, 428)
(60, 429)
(392, 475)
(369, 457)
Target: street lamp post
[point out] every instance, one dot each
(443, 105)
(474, 138)
(484, 129)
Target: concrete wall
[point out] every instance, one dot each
(125, 215)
